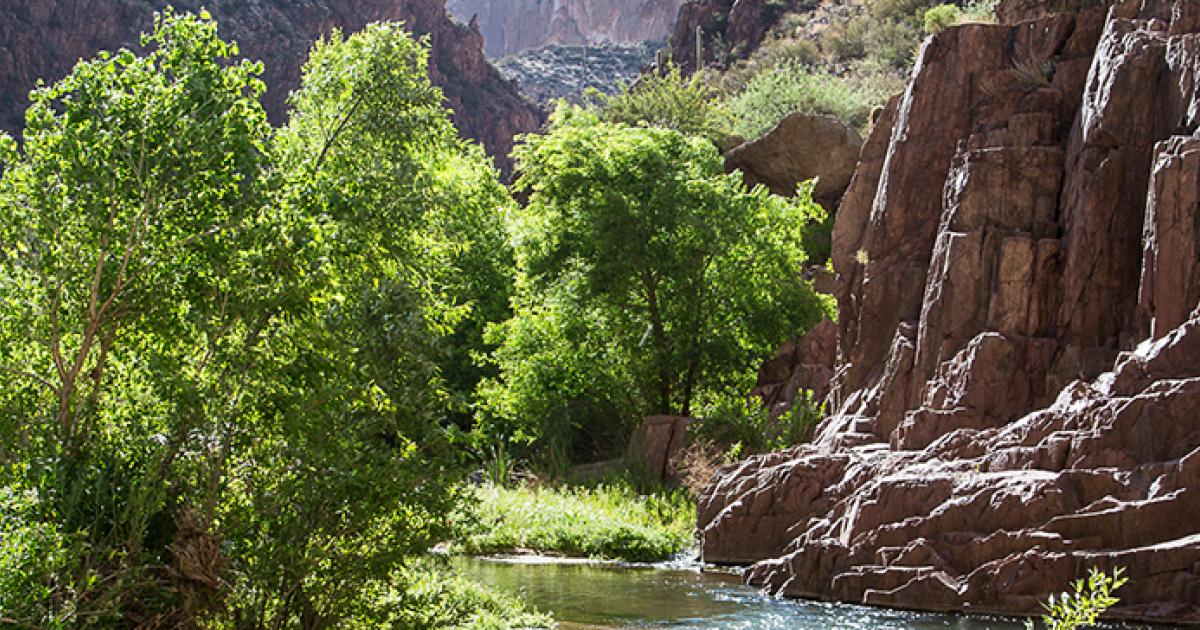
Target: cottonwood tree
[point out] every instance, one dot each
(647, 279)
(227, 353)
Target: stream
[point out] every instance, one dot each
(585, 595)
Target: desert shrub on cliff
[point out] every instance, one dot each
(646, 276)
(938, 18)
(229, 355)
(787, 88)
(669, 100)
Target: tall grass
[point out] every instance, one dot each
(608, 521)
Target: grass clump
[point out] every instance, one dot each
(435, 597)
(609, 521)
(773, 94)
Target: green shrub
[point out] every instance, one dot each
(607, 521)
(744, 426)
(667, 100)
(940, 17)
(1082, 607)
(980, 11)
(787, 88)
(36, 591)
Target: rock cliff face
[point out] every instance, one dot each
(44, 38)
(514, 26)
(739, 26)
(1017, 394)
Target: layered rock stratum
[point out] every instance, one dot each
(42, 39)
(1017, 391)
(514, 26)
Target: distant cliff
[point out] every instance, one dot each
(514, 26)
(738, 25)
(44, 38)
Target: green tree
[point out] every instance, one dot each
(413, 262)
(646, 276)
(229, 357)
(141, 268)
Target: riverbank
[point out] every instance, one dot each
(608, 521)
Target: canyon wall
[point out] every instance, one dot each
(44, 38)
(514, 26)
(736, 27)
(1017, 391)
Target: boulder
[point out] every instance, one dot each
(1016, 396)
(801, 147)
(656, 443)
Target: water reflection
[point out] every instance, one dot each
(598, 596)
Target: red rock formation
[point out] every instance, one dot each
(736, 25)
(1017, 395)
(656, 444)
(44, 38)
(805, 364)
(513, 26)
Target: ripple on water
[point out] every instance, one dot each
(614, 596)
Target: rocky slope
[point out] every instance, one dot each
(44, 38)
(514, 26)
(1017, 393)
(557, 71)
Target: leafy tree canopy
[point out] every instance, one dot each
(229, 356)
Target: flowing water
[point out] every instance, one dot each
(582, 595)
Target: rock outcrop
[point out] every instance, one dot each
(656, 444)
(799, 148)
(514, 26)
(801, 365)
(42, 39)
(1017, 395)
